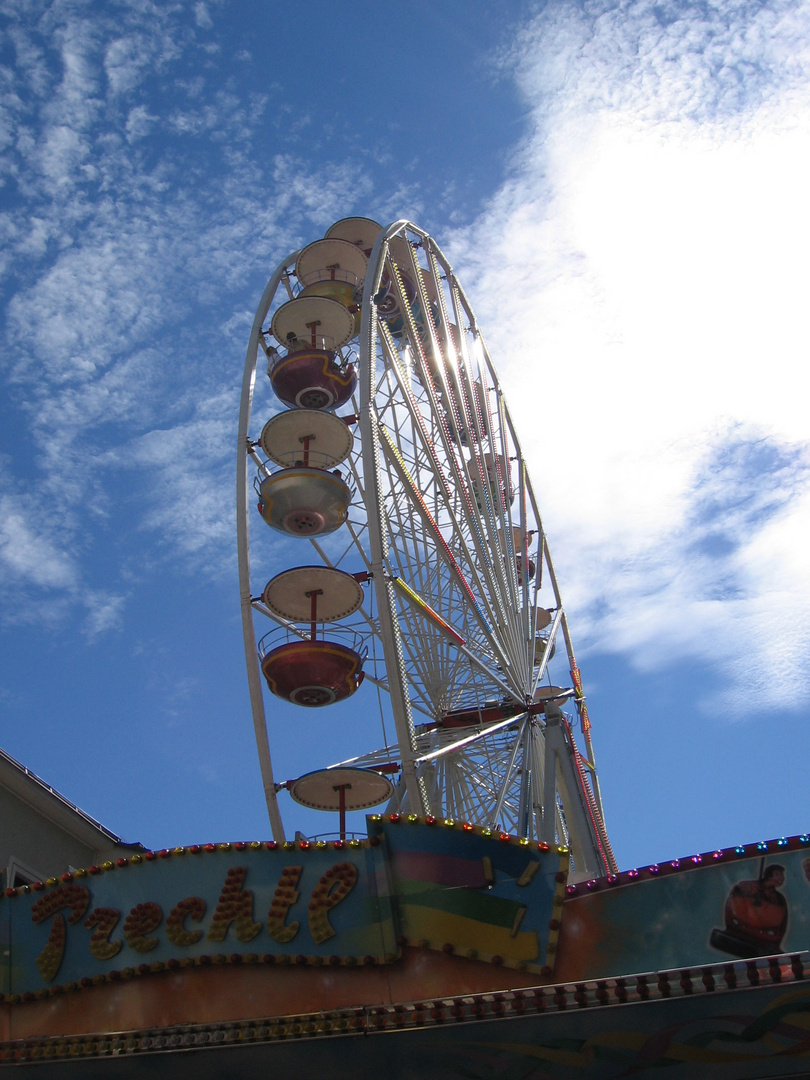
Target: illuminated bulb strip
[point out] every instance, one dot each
(580, 697)
(427, 609)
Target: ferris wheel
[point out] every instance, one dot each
(424, 565)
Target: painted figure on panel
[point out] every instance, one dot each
(756, 915)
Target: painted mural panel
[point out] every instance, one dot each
(732, 908)
(308, 903)
(472, 892)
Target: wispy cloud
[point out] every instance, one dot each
(202, 17)
(643, 267)
(134, 223)
(190, 507)
(104, 614)
(726, 586)
(633, 301)
(28, 556)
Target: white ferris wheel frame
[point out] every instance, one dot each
(548, 760)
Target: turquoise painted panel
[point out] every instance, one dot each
(731, 908)
(312, 903)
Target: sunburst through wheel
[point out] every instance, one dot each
(398, 434)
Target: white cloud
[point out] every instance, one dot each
(28, 555)
(640, 280)
(733, 562)
(190, 482)
(638, 277)
(139, 123)
(128, 60)
(104, 614)
(201, 16)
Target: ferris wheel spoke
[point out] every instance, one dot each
(461, 647)
(456, 495)
(418, 503)
(461, 805)
(426, 569)
(448, 495)
(547, 648)
(480, 792)
(469, 802)
(441, 550)
(468, 740)
(517, 745)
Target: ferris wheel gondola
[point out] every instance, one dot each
(441, 521)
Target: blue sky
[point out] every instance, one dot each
(622, 190)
